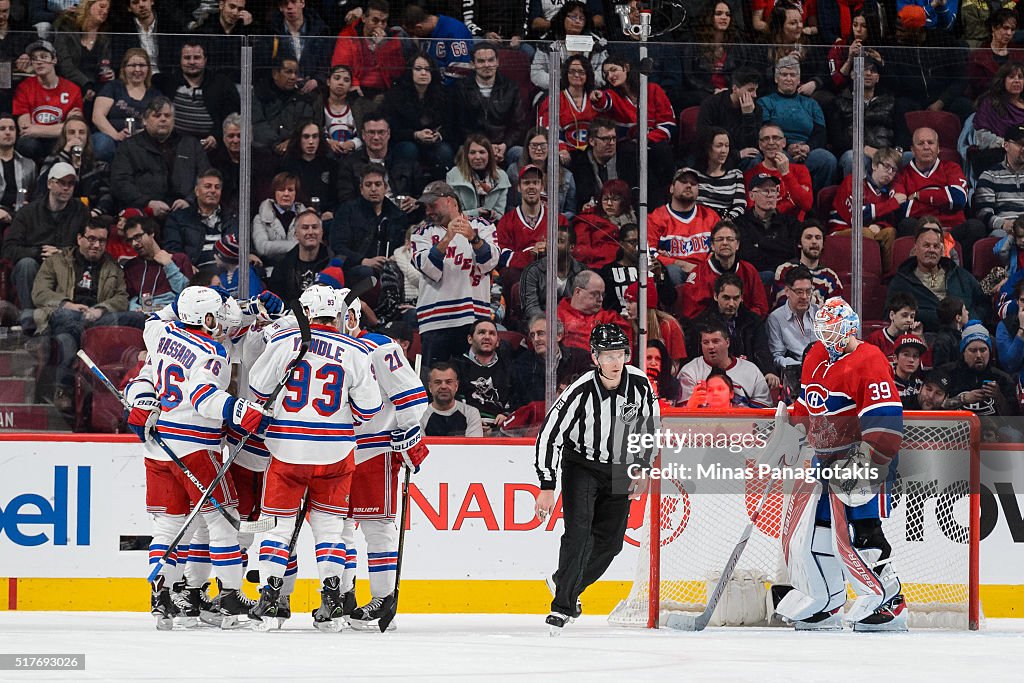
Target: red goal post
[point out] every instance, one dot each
(933, 528)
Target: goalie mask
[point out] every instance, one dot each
(834, 323)
(195, 304)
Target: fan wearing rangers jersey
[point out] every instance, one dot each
(854, 419)
(383, 443)
(456, 255)
(184, 382)
(311, 439)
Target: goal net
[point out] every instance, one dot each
(692, 523)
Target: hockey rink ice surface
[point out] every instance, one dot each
(122, 646)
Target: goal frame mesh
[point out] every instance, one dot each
(654, 521)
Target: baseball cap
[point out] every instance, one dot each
(531, 168)
(632, 293)
(939, 378)
(911, 340)
(686, 170)
(38, 45)
(1014, 134)
(61, 169)
(759, 179)
(912, 17)
(434, 191)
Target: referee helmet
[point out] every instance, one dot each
(608, 337)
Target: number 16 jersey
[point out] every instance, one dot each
(329, 389)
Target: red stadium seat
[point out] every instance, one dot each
(687, 129)
(838, 254)
(984, 260)
(115, 350)
(515, 66)
(826, 197)
(512, 338)
(869, 326)
(901, 251)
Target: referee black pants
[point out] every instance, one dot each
(595, 518)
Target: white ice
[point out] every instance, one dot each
(486, 647)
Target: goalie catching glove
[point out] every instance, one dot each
(142, 411)
(858, 474)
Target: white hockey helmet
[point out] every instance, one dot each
(230, 317)
(834, 323)
(353, 317)
(196, 303)
(321, 301)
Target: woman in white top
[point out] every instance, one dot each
(273, 227)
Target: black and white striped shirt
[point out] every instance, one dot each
(589, 422)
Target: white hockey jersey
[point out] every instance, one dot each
(189, 373)
(402, 393)
(330, 388)
(455, 289)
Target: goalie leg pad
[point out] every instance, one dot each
(858, 566)
(815, 574)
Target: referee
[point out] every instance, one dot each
(587, 429)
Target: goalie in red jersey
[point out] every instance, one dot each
(833, 532)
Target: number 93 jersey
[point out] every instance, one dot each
(329, 390)
(850, 400)
(188, 372)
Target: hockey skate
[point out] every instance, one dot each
(161, 605)
(550, 581)
(366, 618)
(348, 604)
(891, 616)
(822, 621)
(556, 621)
(209, 610)
(266, 612)
(328, 616)
(234, 604)
(187, 605)
(284, 610)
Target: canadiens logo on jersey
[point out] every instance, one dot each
(816, 398)
(47, 115)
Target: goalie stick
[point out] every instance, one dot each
(689, 622)
(256, 526)
(303, 322)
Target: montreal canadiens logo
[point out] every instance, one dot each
(816, 398)
(675, 514)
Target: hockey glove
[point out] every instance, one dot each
(247, 416)
(415, 456)
(858, 475)
(271, 302)
(140, 414)
(404, 440)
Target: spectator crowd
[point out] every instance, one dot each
(408, 143)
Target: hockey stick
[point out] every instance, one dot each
(303, 322)
(689, 622)
(246, 526)
(391, 602)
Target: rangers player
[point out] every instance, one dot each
(311, 440)
(184, 384)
